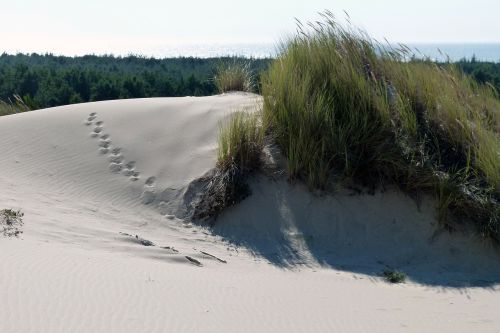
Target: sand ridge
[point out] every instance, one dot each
(105, 247)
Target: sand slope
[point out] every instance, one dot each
(90, 177)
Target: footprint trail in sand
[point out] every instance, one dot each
(116, 159)
(118, 165)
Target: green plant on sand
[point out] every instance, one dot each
(394, 276)
(345, 108)
(10, 221)
(234, 76)
(11, 107)
(240, 143)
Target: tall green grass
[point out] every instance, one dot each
(240, 142)
(234, 76)
(16, 105)
(346, 108)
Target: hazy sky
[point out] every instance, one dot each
(122, 26)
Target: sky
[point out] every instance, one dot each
(139, 26)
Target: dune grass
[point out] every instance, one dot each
(344, 108)
(241, 139)
(234, 76)
(394, 276)
(240, 142)
(16, 105)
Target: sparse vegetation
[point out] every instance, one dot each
(394, 276)
(344, 108)
(11, 221)
(234, 76)
(14, 105)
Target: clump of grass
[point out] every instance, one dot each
(345, 108)
(394, 276)
(240, 143)
(11, 221)
(16, 105)
(234, 76)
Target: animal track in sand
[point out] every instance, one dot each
(117, 162)
(116, 159)
(129, 169)
(115, 167)
(104, 143)
(150, 181)
(149, 192)
(135, 176)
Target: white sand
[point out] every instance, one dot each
(295, 262)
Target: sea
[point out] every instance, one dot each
(437, 51)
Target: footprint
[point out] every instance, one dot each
(116, 151)
(135, 176)
(91, 118)
(151, 181)
(149, 193)
(99, 123)
(94, 134)
(93, 114)
(104, 143)
(98, 130)
(129, 169)
(115, 167)
(105, 136)
(128, 172)
(116, 159)
(103, 150)
(88, 123)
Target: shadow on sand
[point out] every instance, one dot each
(365, 234)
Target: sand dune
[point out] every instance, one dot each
(105, 246)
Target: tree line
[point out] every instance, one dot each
(48, 80)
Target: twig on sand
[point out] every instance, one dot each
(212, 256)
(194, 261)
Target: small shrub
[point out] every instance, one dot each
(11, 221)
(234, 76)
(393, 276)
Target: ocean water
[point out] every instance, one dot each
(455, 52)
